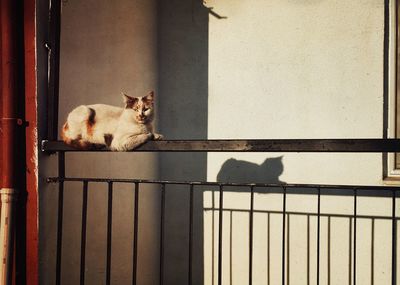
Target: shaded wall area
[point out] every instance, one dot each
(106, 47)
(109, 47)
(183, 83)
(183, 114)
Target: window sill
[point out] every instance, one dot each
(392, 180)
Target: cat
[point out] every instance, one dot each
(119, 129)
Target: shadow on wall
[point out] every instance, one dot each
(240, 171)
(183, 114)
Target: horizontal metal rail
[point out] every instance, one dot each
(256, 145)
(299, 213)
(294, 186)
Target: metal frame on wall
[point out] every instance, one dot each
(53, 49)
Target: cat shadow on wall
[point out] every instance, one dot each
(240, 171)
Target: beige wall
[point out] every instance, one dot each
(299, 69)
(296, 69)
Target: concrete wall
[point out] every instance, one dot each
(295, 69)
(287, 69)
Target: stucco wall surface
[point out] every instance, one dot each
(290, 69)
(296, 69)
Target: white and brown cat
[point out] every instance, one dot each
(120, 129)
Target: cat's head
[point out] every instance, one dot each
(143, 107)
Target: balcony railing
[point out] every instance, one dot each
(218, 208)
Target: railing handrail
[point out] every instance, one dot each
(252, 145)
(287, 186)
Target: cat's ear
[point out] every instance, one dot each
(128, 100)
(149, 98)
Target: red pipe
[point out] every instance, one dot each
(9, 122)
(8, 90)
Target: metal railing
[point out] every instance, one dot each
(285, 190)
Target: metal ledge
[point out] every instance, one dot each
(259, 145)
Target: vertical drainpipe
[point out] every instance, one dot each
(9, 124)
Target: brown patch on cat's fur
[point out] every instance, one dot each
(108, 139)
(76, 143)
(91, 122)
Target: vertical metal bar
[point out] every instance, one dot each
(109, 232)
(135, 234)
(283, 235)
(251, 232)
(221, 204)
(318, 231)
(372, 251)
(329, 251)
(230, 247)
(162, 233)
(269, 250)
(308, 249)
(355, 239)
(83, 231)
(190, 233)
(213, 237)
(394, 239)
(61, 174)
(350, 251)
(288, 251)
(54, 68)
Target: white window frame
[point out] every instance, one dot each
(393, 173)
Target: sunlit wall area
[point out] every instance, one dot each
(295, 69)
(298, 69)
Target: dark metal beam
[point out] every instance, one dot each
(281, 145)
(53, 49)
(270, 186)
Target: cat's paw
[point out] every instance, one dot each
(158, 137)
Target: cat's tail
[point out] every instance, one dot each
(74, 142)
(64, 135)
